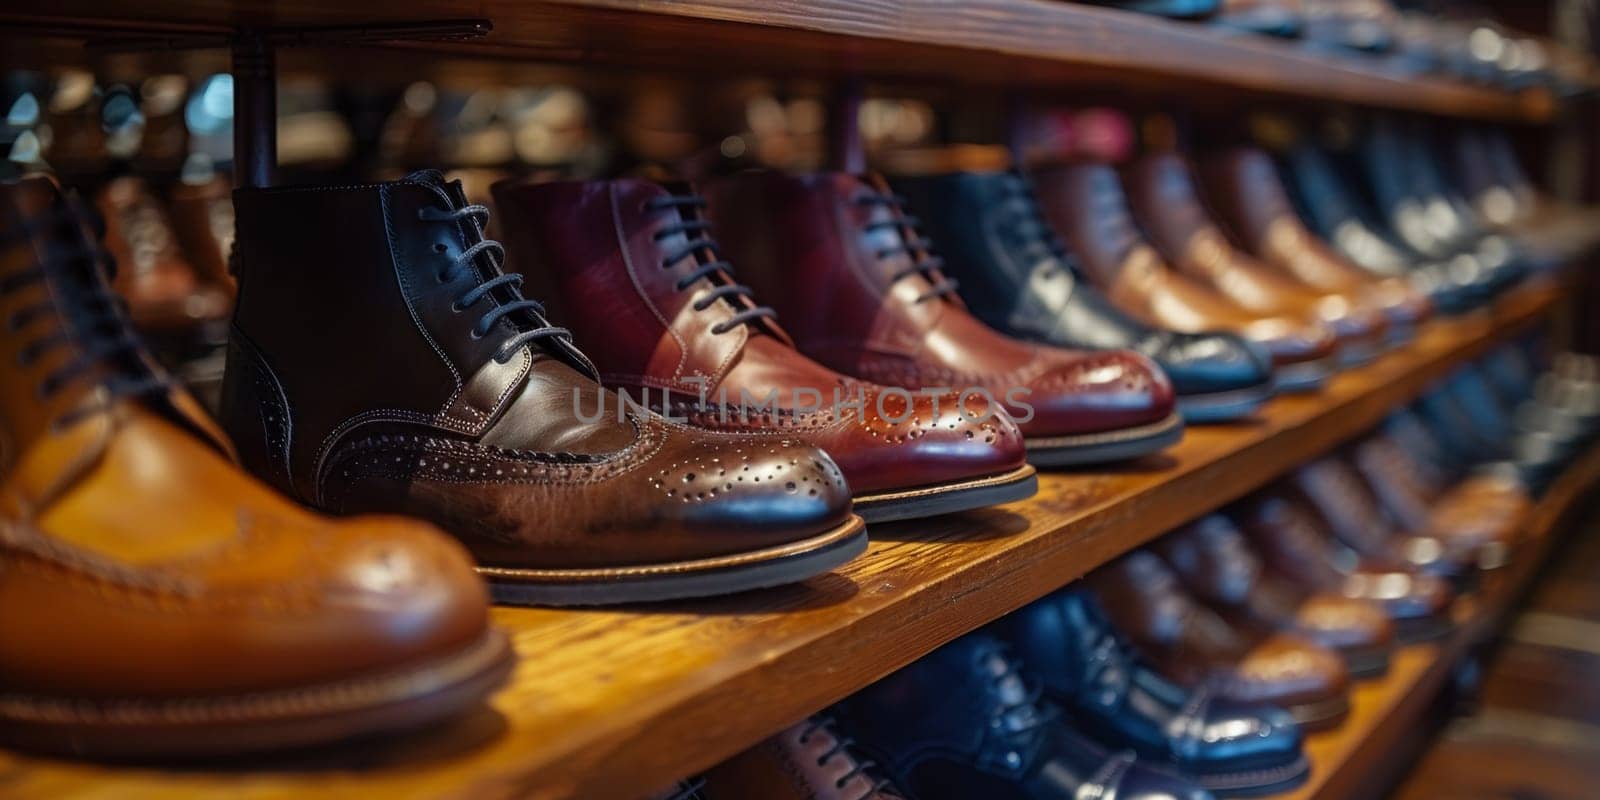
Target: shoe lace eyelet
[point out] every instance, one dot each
(476, 334)
(456, 307)
(443, 277)
(441, 248)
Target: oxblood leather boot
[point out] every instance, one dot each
(863, 295)
(164, 293)
(1295, 542)
(1086, 667)
(473, 412)
(159, 603)
(809, 761)
(1251, 200)
(1195, 646)
(1018, 277)
(1166, 201)
(1086, 204)
(680, 334)
(1215, 562)
(965, 722)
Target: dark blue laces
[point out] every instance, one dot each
(511, 283)
(699, 244)
(912, 244)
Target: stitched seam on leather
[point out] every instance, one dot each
(638, 288)
(397, 265)
(261, 373)
(319, 473)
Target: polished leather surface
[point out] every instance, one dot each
(163, 291)
(964, 722)
(1166, 201)
(1018, 278)
(1191, 643)
(1249, 195)
(1336, 491)
(1086, 667)
(426, 420)
(139, 561)
(1086, 204)
(592, 249)
(855, 286)
(1294, 541)
(809, 761)
(1217, 564)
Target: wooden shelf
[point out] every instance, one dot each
(1357, 759)
(613, 703)
(1039, 43)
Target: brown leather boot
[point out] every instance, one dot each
(234, 619)
(1193, 645)
(1252, 201)
(1217, 564)
(862, 293)
(1336, 491)
(681, 335)
(380, 361)
(1167, 203)
(809, 761)
(1086, 205)
(164, 293)
(202, 216)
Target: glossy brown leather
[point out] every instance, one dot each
(1086, 204)
(163, 291)
(1252, 202)
(1191, 643)
(1162, 191)
(592, 249)
(1294, 541)
(348, 287)
(1478, 519)
(840, 263)
(144, 563)
(1336, 491)
(808, 761)
(202, 217)
(1217, 564)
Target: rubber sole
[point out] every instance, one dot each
(1107, 446)
(1307, 376)
(1321, 715)
(1255, 782)
(203, 728)
(774, 566)
(1235, 404)
(948, 498)
(1366, 663)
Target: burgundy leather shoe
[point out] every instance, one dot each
(1086, 204)
(1295, 542)
(1194, 645)
(864, 295)
(1168, 204)
(1217, 564)
(632, 264)
(1253, 203)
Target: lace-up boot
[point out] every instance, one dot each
(679, 332)
(964, 722)
(381, 361)
(158, 602)
(810, 761)
(862, 293)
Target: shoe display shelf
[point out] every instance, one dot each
(1042, 44)
(616, 703)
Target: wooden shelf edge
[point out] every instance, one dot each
(614, 703)
(1386, 712)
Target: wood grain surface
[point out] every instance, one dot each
(1048, 44)
(612, 703)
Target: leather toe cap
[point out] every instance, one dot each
(1203, 363)
(1234, 732)
(1091, 392)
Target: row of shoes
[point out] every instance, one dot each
(1194, 666)
(384, 367)
(1451, 39)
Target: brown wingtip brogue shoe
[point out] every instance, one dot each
(1195, 645)
(238, 621)
(1217, 564)
(1086, 203)
(682, 335)
(862, 292)
(164, 292)
(442, 393)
